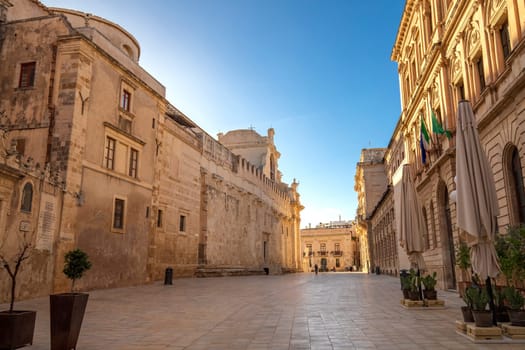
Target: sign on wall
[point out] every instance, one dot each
(46, 222)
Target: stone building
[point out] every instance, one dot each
(95, 157)
(333, 245)
(448, 51)
(370, 184)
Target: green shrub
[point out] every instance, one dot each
(75, 264)
(429, 281)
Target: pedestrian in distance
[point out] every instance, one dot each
(316, 268)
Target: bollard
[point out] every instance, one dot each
(168, 276)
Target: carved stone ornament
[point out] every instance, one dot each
(473, 40)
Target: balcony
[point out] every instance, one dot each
(322, 253)
(337, 253)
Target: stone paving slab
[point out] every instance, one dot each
(302, 311)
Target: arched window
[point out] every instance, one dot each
(27, 198)
(516, 190)
(272, 167)
(427, 237)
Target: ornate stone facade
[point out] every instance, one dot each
(332, 246)
(118, 171)
(370, 184)
(447, 51)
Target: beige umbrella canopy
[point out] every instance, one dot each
(476, 201)
(412, 225)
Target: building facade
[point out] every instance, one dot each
(448, 51)
(332, 247)
(95, 157)
(370, 185)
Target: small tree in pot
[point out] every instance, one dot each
(67, 309)
(429, 282)
(463, 262)
(467, 310)
(480, 301)
(16, 326)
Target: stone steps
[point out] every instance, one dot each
(227, 271)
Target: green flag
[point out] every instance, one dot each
(437, 128)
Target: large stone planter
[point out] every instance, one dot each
(467, 314)
(482, 318)
(16, 329)
(67, 312)
(517, 317)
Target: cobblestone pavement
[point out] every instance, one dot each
(296, 311)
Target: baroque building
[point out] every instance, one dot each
(370, 183)
(448, 51)
(332, 246)
(93, 156)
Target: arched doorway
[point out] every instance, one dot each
(447, 237)
(514, 185)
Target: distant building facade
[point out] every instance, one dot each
(95, 157)
(332, 246)
(370, 183)
(448, 51)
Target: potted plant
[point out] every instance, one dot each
(405, 284)
(413, 293)
(467, 309)
(511, 254)
(16, 326)
(499, 305)
(429, 282)
(480, 301)
(463, 262)
(515, 302)
(67, 309)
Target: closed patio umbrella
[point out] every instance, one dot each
(476, 202)
(412, 225)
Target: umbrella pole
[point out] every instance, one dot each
(419, 284)
(491, 301)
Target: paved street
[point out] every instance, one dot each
(297, 311)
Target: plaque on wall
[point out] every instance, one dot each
(25, 226)
(46, 222)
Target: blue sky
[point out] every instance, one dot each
(318, 72)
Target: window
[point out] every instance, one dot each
(505, 39)
(323, 249)
(460, 91)
(19, 145)
(337, 263)
(109, 155)
(272, 167)
(27, 75)
(182, 223)
(27, 198)
(516, 191)
(125, 100)
(118, 214)
(337, 247)
(160, 217)
(309, 249)
(124, 124)
(481, 74)
(133, 161)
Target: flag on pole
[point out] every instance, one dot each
(424, 141)
(437, 128)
